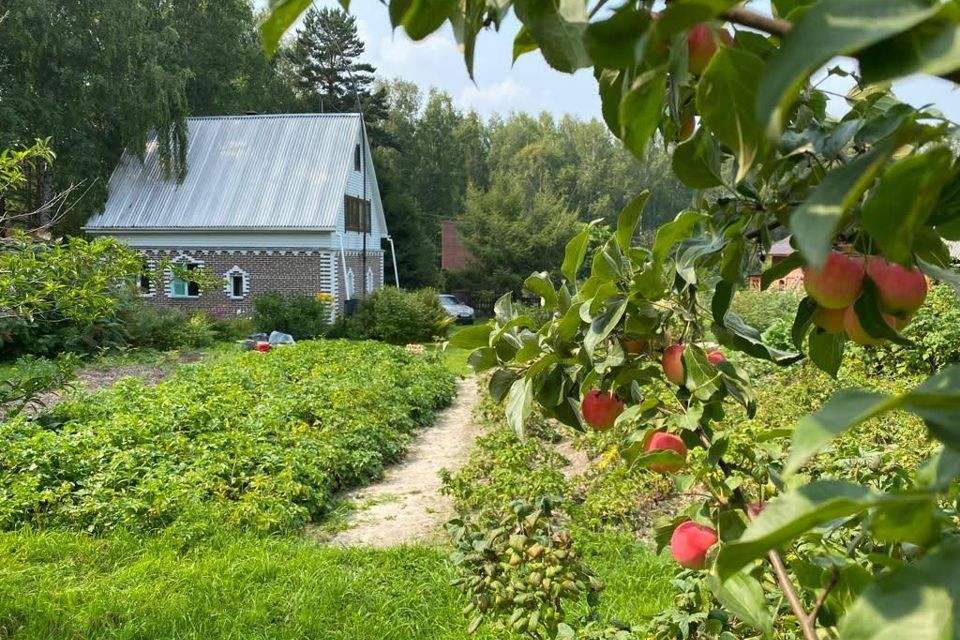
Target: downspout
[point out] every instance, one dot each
(393, 254)
(343, 261)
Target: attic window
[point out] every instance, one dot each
(357, 159)
(356, 214)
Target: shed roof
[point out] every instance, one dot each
(244, 172)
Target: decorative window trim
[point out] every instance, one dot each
(150, 265)
(228, 284)
(350, 283)
(370, 280)
(183, 258)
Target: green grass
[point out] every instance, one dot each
(67, 585)
(454, 358)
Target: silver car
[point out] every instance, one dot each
(456, 309)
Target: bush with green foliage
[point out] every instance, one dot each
(257, 441)
(399, 317)
(301, 315)
(934, 333)
(764, 309)
(163, 328)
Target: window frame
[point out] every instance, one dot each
(357, 158)
(354, 209)
(190, 288)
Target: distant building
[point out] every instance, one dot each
(454, 255)
(285, 203)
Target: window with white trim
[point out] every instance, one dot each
(350, 282)
(369, 279)
(237, 283)
(145, 281)
(179, 288)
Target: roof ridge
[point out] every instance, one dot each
(265, 116)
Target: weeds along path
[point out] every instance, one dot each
(406, 506)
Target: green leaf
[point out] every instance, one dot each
(677, 230)
(902, 201)
(828, 29)
(472, 337)
(628, 220)
(575, 252)
(603, 324)
(950, 276)
(742, 595)
(420, 18)
(916, 602)
(482, 359)
(937, 401)
(939, 472)
(501, 382)
(913, 522)
(814, 222)
(826, 351)
(558, 27)
(793, 513)
(280, 17)
(726, 97)
(540, 284)
(697, 161)
(618, 41)
(932, 48)
(523, 43)
(845, 409)
(640, 110)
(802, 321)
(610, 84)
(519, 405)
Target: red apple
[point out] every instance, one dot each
(716, 357)
(702, 43)
(673, 363)
(600, 409)
(838, 283)
(690, 542)
(661, 441)
(755, 508)
(687, 126)
(830, 320)
(856, 332)
(901, 290)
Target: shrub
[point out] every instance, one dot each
(300, 315)
(162, 328)
(399, 317)
(761, 309)
(935, 333)
(253, 441)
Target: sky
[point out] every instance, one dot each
(530, 85)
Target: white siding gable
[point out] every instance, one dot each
(353, 240)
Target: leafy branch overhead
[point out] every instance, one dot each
(641, 337)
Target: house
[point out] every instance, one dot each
(285, 203)
(454, 255)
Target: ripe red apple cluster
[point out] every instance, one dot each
(837, 285)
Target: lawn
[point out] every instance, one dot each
(64, 585)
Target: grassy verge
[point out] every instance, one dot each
(66, 585)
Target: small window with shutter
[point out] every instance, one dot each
(356, 214)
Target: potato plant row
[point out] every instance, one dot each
(255, 441)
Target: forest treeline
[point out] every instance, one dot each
(98, 76)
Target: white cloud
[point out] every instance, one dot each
(499, 97)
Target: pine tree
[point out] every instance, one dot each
(330, 74)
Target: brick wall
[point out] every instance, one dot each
(286, 271)
(454, 255)
(354, 262)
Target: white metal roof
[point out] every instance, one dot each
(243, 172)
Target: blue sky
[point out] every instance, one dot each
(529, 84)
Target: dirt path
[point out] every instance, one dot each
(406, 506)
